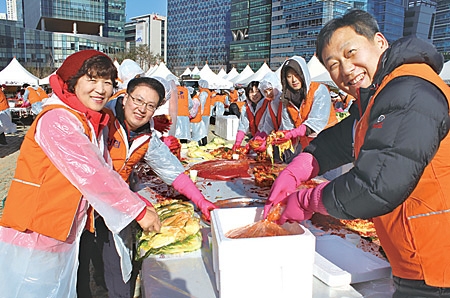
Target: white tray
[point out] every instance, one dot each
(341, 257)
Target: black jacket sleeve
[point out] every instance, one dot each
(407, 122)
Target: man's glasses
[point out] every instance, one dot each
(139, 102)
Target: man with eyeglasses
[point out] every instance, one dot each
(131, 138)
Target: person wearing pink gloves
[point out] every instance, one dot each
(130, 140)
(307, 106)
(63, 173)
(253, 117)
(397, 136)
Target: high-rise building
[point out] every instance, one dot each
(390, 16)
(198, 32)
(296, 24)
(47, 31)
(441, 37)
(12, 9)
(250, 27)
(148, 30)
(419, 19)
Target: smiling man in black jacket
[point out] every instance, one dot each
(396, 137)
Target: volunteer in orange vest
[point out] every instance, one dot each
(131, 139)
(183, 125)
(205, 97)
(307, 105)
(62, 173)
(253, 118)
(400, 148)
(35, 95)
(236, 106)
(199, 132)
(6, 124)
(221, 101)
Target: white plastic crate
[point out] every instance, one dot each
(226, 127)
(279, 266)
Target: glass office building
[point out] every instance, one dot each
(390, 16)
(53, 29)
(441, 38)
(250, 27)
(198, 32)
(296, 24)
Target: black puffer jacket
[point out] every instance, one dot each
(393, 157)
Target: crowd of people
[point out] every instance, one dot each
(100, 122)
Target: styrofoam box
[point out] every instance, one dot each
(278, 266)
(226, 127)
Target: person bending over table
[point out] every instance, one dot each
(130, 140)
(397, 137)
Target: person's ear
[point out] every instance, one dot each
(381, 41)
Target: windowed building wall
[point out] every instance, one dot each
(198, 32)
(296, 24)
(441, 37)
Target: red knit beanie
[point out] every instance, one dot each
(73, 63)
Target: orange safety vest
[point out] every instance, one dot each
(220, 98)
(197, 117)
(36, 95)
(207, 107)
(276, 119)
(43, 200)
(117, 94)
(234, 96)
(183, 101)
(298, 116)
(254, 120)
(3, 102)
(240, 104)
(117, 147)
(414, 252)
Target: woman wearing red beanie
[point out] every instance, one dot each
(61, 176)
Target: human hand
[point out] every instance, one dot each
(150, 222)
(302, 168)
(281, 137)
(302, 204)
(205, 207)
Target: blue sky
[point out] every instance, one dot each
(134, 7)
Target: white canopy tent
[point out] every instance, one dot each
(445, 73)
(245, 73)
(214, 81)
(257, 76)
(222, 73)
(14, 74)
(232, 74)
(195, 71)
(161, 71)
(46, 80)
(315, 67)
(324, 78)
(186, 72)
(319, 73)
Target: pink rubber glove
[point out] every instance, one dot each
(184, 185)
(261, 136)
(302, 168)
(296, 132)
(239, 138)
(301, 205)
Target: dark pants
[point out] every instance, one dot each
(117, 288)
(406, 288)
(88, 251)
